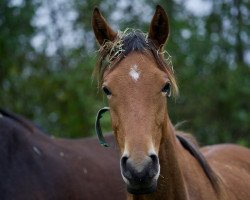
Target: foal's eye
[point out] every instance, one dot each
(166, 90)
(106, 91)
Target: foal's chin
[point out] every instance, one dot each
(142, 188)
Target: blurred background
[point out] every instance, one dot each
(48, 51)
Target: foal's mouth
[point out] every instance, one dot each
(142, 185)
(142, 188)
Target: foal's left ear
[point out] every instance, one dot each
(103, 32)
(159, 27)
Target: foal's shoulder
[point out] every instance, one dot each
(228, 154)
(224, 148)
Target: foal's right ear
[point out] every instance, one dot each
(103, 32)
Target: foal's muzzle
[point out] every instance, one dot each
(141, 178)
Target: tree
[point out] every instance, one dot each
(52, 84)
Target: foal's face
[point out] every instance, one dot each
(137, 101)
(137, 90)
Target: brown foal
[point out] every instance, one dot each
(157, 161)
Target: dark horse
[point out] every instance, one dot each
(34, 166)
(157, 161)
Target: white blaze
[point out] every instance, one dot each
(134, 72)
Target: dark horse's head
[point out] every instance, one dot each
(136, 78)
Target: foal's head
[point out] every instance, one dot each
(136, 79)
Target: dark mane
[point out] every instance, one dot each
(194, 151)
(112, 52)
(21, 120)
(134, 41)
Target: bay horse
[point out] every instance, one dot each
(157, 161)
(34, 166)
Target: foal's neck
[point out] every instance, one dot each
(171, 184)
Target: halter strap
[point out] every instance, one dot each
(98, 128)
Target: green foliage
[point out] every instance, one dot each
(56, 89)
(212, 73)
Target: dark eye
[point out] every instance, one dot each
(166, 90)
(106, 91)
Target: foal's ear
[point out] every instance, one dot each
(103, 32)
(159, 27)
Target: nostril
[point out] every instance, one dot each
(125, 169)
(154, 161)
(124, 160)
(154, 165)
(154, 158)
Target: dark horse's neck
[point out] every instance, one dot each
(179, 170)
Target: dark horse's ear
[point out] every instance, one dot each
(103, 32)
(159, 27)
